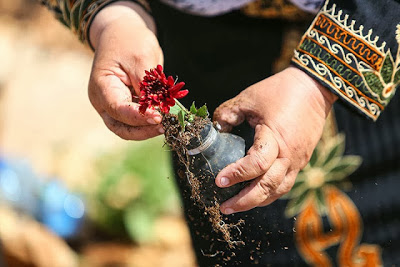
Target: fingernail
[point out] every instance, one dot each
(229, 211)
(157, 119)
(224, 181)
(161, 130)
(151, 121)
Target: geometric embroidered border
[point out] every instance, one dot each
(338, 55)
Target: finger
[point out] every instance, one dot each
(287, 183)
(116, 100)
(228, 115)
(257, 161)
(128, 132)
(261, 192)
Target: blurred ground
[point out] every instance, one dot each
(46, 118)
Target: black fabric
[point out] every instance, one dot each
(376, 183)
(220, 56)
(217, 57)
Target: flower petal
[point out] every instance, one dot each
(181, 94)
(176, 87)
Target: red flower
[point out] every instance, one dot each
(156, 90)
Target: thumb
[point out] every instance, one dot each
(229, 114)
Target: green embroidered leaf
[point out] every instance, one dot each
(387, 68)
(297, 189)
(296, 205)
(346, 166)
(335, 149)
(396, 77)
(181, 118)
(314, 157)
(202, 112)
(193, 108)
(319, 195)
(84, 6)
(373, 81)
(74, 16)
(66, 12)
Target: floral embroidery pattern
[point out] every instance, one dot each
(383, 83)
(316, 195)
(327, 166)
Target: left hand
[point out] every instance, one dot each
(288, 111)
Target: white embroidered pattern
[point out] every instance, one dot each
(349, 58)
(337, 83)
(349, 26)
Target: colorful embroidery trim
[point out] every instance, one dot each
(349, 62)
(78, 14)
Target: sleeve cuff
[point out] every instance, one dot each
(91, 11)
(79, 14)
(348, 62)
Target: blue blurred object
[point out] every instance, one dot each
(49, 202)
(61, 210)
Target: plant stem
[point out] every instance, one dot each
(181, 106)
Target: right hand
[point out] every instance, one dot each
(125, 46)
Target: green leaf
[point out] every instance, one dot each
(373, 81)
(396, 77)
(191, 117)
(181, 119)
(387, 68)
(175, 110)
(202, 112)
(193, 109)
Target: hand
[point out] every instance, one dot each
(125, 46)
(288, 111)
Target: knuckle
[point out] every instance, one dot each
(272, 183)
(285, 187)
(239, 171)
(264, 188)
(259, 161)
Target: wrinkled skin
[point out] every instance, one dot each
(124, 48)
(288, 111)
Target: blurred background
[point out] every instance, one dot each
(71, 192)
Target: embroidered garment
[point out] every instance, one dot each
(352, 47)
(78, 14)
(343, 209)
